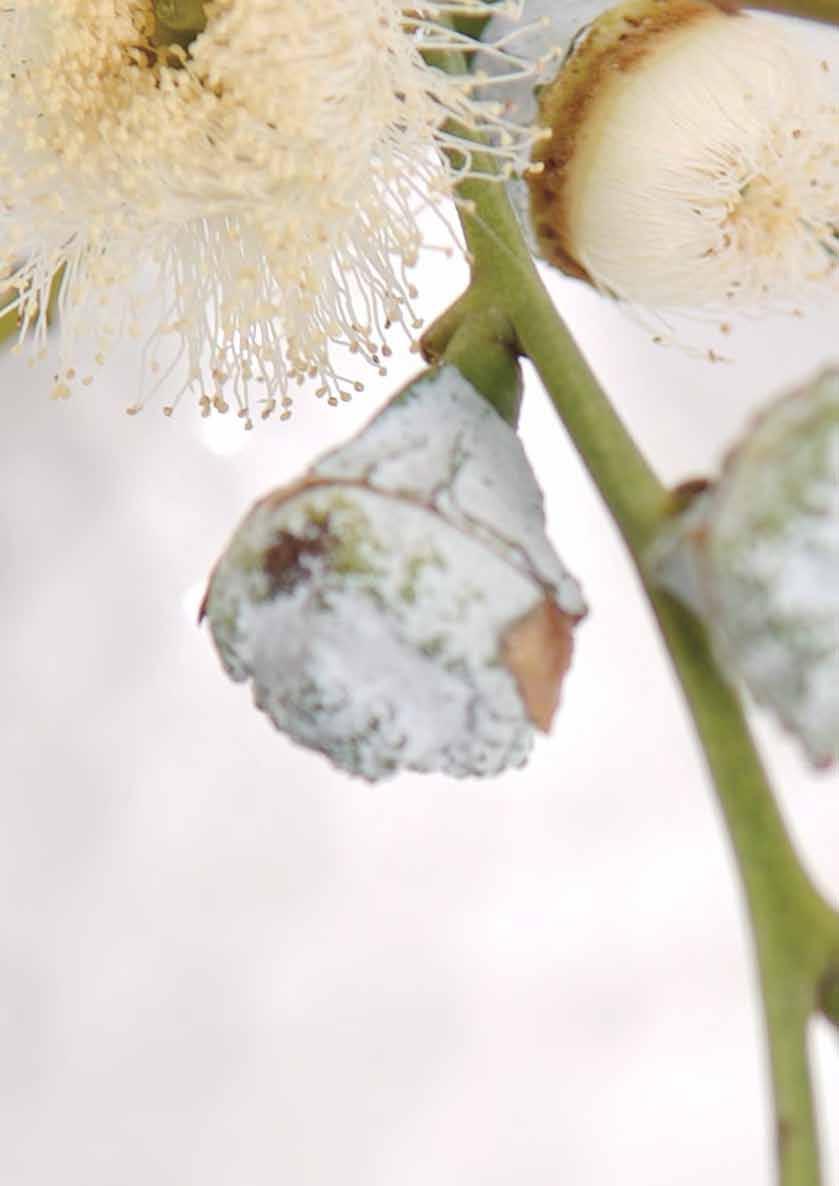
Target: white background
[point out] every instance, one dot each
(223, 963)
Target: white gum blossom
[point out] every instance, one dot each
(401, 608)
(703, 172)
(255, 197)
(757, 556)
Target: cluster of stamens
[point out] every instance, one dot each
(248, 206)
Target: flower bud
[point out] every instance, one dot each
(400, 607)
(757, 556)
(691, 160)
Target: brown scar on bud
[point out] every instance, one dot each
(274, 498)
(536, 651)
(283, 563)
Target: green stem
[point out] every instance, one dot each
(504, 272)
(814, 10)
(10, 318)
(178, 22)
(796, 932)
(8, 325)
(829, 996)
(490, 365)
(479, 340)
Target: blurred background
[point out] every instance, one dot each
(222, 962)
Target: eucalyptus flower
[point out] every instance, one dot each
(253, 194)
(692, 162)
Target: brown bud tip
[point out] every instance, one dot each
(537, 651)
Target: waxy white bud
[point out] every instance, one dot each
(757, 556)
(400, 607)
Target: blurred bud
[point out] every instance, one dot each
(400, 607)
(757, 556)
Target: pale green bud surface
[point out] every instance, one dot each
(757, 556)
(401, 608)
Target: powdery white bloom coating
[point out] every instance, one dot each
(694, 161)
(270, 179)
(401, 607)
(758, 557)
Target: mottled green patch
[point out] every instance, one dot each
(415, 566)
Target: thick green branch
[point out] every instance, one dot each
(796, 932)
(504, 273)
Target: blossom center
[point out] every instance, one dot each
(763, 215)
